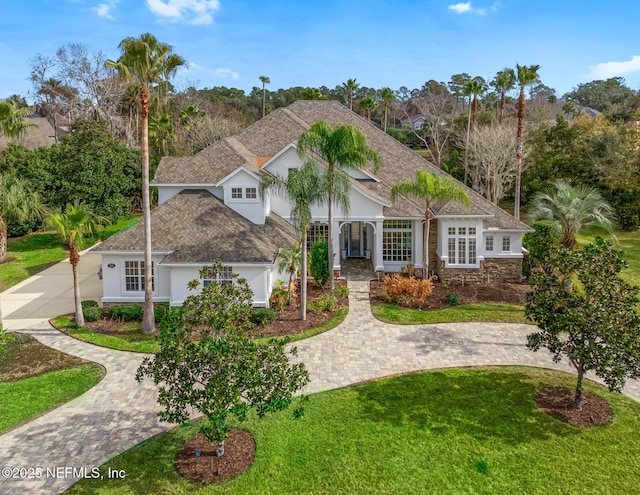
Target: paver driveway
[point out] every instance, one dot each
(118, 413)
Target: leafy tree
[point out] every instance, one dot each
(19, 202)
(318, 265)
(388, 96)
(430, 188)
(526, 76)
(546, 236)
(146, 61)
(573, 208)
(341, 149)
(611, 97)
(72, 225)
(209, 363)
(457, 85)
(504, 81)
(264, 80)
(585, 313)
(288, 260)
(303, 188)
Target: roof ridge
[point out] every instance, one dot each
(294, 117)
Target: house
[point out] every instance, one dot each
(210, 208)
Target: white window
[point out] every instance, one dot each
(317, 232)
(396, 240)
(461, 246)
(506, 243)
(250, 193)
(236, 193)
(224, 276)
(134, 276)
(488, 243)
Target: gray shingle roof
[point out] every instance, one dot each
(198, 228)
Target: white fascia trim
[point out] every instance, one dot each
(229, 263)
(241, 168)
(461, 217)
(128, 253)
(187, 185)
(266, 164)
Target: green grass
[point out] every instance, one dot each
(35, 252)
(391, 313)
(458, 431)
(131, 339)
(25, 399)
(629, 242)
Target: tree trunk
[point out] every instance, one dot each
(220, 449)
(148, 318)
(577, 405)
(303, 277)
(351, 101)
(74, 259)
(292, 270)
(427, 227)
(502, 99)
(3, 237)
(519, 153)
(466, 146)
(330, 240)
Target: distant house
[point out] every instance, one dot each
(41, 134)
(415, 122)
(210, 208)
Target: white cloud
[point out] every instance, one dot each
(467, 8)
(227, 72)
(461, 8)
(192, 11)
(605, 70)
(104, 9)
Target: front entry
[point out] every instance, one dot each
(355, 239)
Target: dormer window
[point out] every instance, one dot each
(246, 193)
(251, 193)
(236, 193)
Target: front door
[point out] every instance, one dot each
(356, 240)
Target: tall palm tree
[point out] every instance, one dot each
(13, 119)
(573, 208)
(472, 87)
(264, 80)
(430, 188)
(18, 202)
(369, 105)
(387, 96)
(288, 260)
(341, 149)
(72, 225)
(146, 60)
(350, 86)
(526, 76)
(504, 81)
(53, 90)
(303, 188)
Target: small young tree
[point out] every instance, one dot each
(585, 313)
(318, 266)
(289, 260)
(209, 363)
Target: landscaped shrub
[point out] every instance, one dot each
(125, 313)
(5, 339)
(324, 304)
(452, 299)
(279, 297)
(261, 317)
(539, 243)
(341, 291)
(91, 311)
(159, 311)
(406, 290)
(319, 262)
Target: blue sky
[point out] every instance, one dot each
(314, 43)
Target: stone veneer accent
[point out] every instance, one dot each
(507, 270)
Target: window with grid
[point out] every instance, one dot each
(134, 276)
(397, 240)
(488, 243)
(506, 243)
(223, 277)
(236, 193)
(250, 193)
(461, 246)
(317, 232)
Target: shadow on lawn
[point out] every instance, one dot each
(483, 404)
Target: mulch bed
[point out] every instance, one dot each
(469, 294)
(559, 402)
(239, 452)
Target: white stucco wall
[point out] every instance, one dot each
(113, 279)
(254, 209)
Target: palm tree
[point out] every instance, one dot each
(526, 76)
(264, 80)
(473, 87)
(53, 90)
(18, 202)
(344, 148)
(303, 188)
(387, 96)
(13, 119)
(146, 61)
(161, 132)
(430, 188)
(350, 86)
(504, 81)
(72, 225)
(288, 260)
(369, 105)
(573, 208)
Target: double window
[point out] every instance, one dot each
(397, 240)
(134, 276)
(461, 245)
(244, 193)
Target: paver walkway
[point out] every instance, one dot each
(118, 413)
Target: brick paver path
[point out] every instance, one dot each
(118, 413)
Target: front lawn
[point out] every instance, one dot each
(628, 242)
(461, 431)
(35, 378)
(392, 313)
